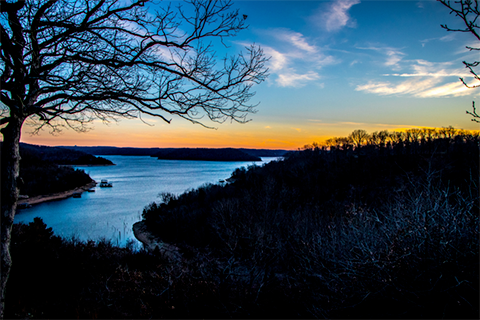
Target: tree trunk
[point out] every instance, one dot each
(10, 168)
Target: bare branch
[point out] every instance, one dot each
(64, 59)
(468, 11)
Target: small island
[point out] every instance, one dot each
(207, 154)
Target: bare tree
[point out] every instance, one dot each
(66, 62)
(468, 11)
(358, 137)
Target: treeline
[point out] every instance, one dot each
(206, 154)
(411, 139)
(338, 231)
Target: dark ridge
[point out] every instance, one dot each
(130, 151)
(117, 151)
(63, 155)
(264, 152)
(206, 154)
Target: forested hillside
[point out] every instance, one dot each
(363, 223)
(41, 172)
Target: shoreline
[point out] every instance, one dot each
(87, 165)
(152, 243)
(55, 196)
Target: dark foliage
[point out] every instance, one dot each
(58, 278)
(40, 174)
(392, 224)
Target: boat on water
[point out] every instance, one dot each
(105, 184)
(77, 195)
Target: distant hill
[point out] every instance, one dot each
(265, 152)
(110, 151)
(129, 151)
(206, 154)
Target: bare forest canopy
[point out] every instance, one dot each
(342, 230)
(389, 138)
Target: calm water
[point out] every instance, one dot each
(137, 180)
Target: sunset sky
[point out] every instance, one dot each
(335, 66)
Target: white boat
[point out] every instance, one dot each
(105, 184)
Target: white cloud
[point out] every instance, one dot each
(292, 79)
(295, 61)
(420, 78)
(455, 89)
(336, 16)
(294, 38)
(431, 87)
(429, 75)
(411, 86)
(277, 61)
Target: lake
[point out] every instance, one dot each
(137, 181)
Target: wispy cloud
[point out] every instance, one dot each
(419, 78)
(335, 16)
(391, 55)
(430, 87)
(295, 38)
(292, 79)
(446, 38)
(277, 60)
(295, 60)
(352, 123)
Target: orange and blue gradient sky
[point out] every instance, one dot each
(335, 66)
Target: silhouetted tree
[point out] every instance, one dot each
(358, 137)
(67, 62)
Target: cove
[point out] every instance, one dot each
(109, 213)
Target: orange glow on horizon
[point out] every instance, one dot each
(255, 135)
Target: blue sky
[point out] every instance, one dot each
(335, 66)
